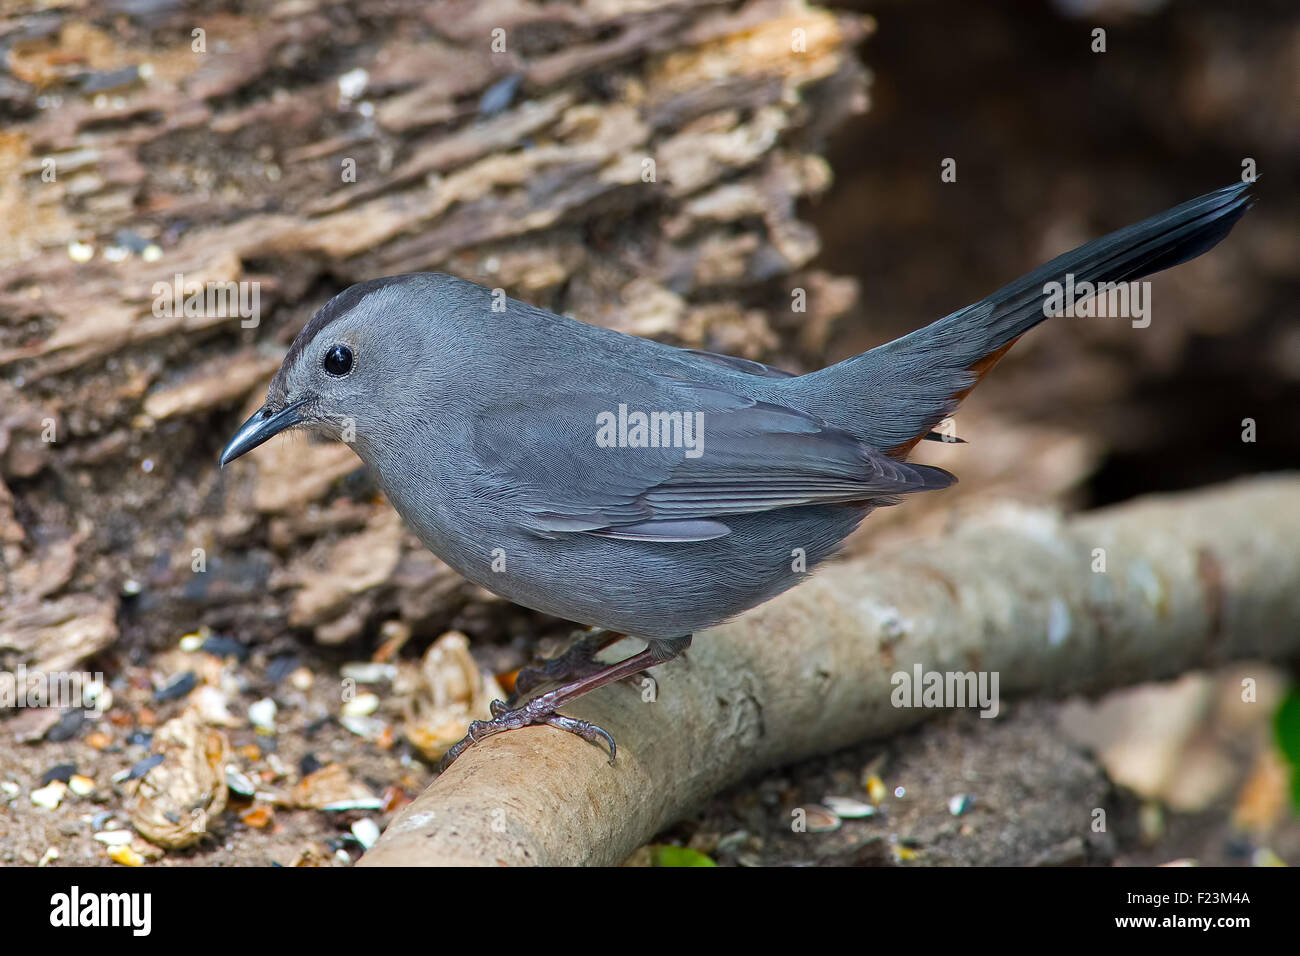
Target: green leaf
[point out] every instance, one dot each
(1286, 726)
(664, 854)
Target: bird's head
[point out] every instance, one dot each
(352, 370)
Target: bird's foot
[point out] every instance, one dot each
(578, 660)
(542, 708)
(539, 710)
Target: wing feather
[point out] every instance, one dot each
(753, 456)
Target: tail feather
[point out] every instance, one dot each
(893, 395)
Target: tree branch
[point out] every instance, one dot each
(1189, 581)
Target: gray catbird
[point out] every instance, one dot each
(645, 489)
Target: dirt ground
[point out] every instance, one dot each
(959, 790)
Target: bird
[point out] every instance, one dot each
(638, 488)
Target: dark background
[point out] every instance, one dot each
(1055, 145)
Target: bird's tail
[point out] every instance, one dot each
(892, 395)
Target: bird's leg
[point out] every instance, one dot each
(578, 660)
(542, 708)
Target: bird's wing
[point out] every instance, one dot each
(748, 366)
(748, 456)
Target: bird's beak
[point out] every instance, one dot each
(261, 425)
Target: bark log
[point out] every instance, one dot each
(1188, 581)
(638, 165)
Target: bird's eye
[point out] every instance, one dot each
(338, 360)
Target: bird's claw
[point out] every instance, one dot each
(542, 708)
(587, 731)
(531, 713)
